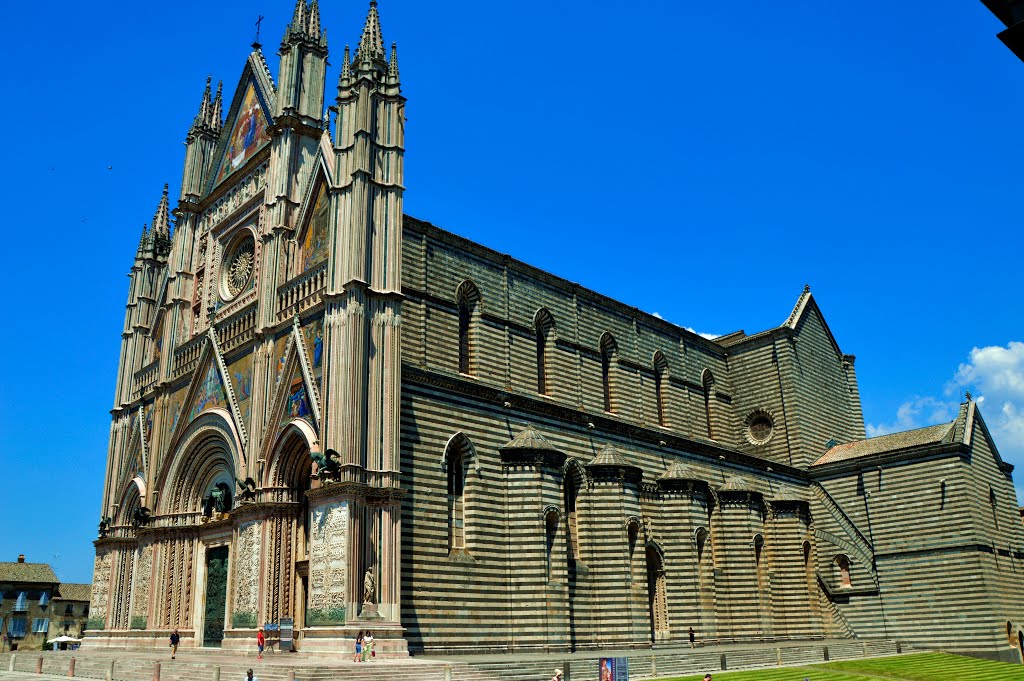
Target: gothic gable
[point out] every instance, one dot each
(296, 395)
(248, 125)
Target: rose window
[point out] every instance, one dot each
(238, 265)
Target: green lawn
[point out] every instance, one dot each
(918, 667)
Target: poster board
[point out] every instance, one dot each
(287, 625)
(613, 669)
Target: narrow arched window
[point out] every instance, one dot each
(544, 325)
(609, 354)
(467, 298)
(702, 538)
(660, 379)
(572, 491)
(551, 533)
(456, 465)
(843, 563)
(708, 381)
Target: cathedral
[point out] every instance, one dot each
(332, 417)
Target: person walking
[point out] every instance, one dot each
(367, 646)
(261, 641)
(358, 657)
(175, 639)
(250, 677)
(557, 675)
(692, 637)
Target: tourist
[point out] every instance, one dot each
(707, 677)
(358, 657)
(557, 676)
(260, 642)
(174, 643)
(250, 677)
(367, 646)
(691, 637)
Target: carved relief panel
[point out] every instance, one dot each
(328, 564)
(247, 574)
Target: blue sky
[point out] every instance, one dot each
(702, 161)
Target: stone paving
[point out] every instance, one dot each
(217, 665)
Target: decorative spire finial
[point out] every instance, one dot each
(313, 23)
(807, 288)
(968, 395)
(393, 64)
(162, 218)
(346, 67)
(256, 43)
(216, 113)
(371, 45)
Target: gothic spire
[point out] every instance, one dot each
(393, 64)
(346, 69)
(142, 241)
(298, 24)
(217, 111)
(313, 23)
(371, 45)
(203, 117)
(162, 218)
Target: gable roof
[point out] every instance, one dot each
(74, 592)
(28, 573)
(938, 434)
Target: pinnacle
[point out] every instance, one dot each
(371, 45)
(162, 220)
(393, 64)
(313, 25)
(218, 106)
(299, 17)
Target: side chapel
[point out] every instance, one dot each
(332, 413)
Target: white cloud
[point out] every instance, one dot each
(709, 336)
(916, 413)
(995, 375)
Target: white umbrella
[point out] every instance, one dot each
(65, 639)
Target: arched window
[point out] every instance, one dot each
(702, 539)
(544, 326)
(707, 379)
(609, 355)
(843, 563)
(551, 533)
(459, 456)
(758, 562)
(660, 379)
(572, 492)
(656, 595)
(467, 297)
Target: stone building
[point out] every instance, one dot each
(70, 614)
(331, 414)
(27, 591)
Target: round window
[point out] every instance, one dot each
(239, 263)
(760, 426)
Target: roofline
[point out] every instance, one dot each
(904, 455)
(591, 295)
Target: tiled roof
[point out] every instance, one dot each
(27, 573)
(737, 484)
(678, 471)
(888, 443)
(74, 592)
(528, 438)
(609, 456)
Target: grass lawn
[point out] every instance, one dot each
(917, 667)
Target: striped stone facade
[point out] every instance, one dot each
(333, 414)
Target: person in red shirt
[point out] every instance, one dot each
(260, 642)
